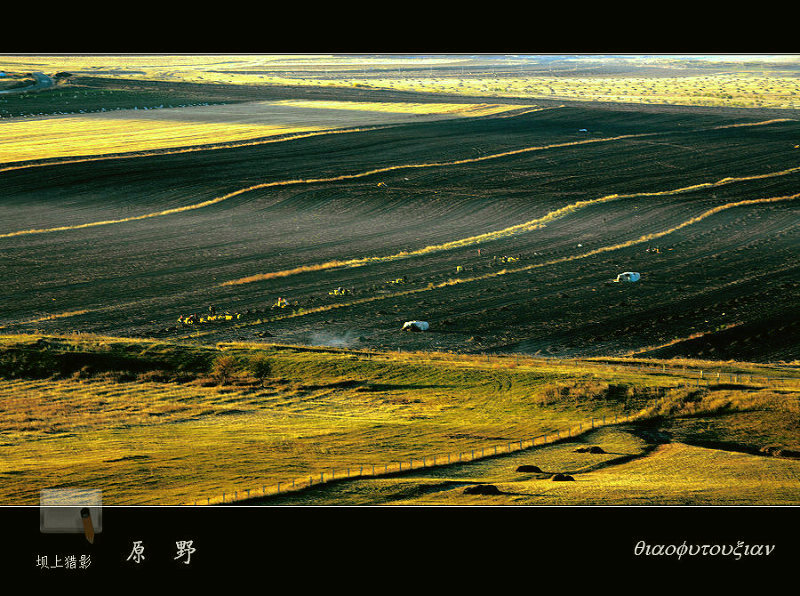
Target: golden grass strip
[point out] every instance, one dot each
(122, 139)
(340, 178)
(524, 227)
(505, 232)
(204, 147)
(677, 340)
(71, 313)
(423, 109)
(132, 218)
(58, 138)
(761, 123)
(494, 274)
(655, 235)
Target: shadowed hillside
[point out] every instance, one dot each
(504, 232)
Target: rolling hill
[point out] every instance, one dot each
(505, 231)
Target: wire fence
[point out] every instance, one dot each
(699, 378)
(709, 376)
(419, 462)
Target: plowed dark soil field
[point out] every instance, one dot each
(705, 206)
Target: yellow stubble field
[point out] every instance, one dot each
(127, 131)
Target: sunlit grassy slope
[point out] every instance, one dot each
(160, 423)
(636, 468)
(159, 129)
(87, 136)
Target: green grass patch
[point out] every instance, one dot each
(152, 422)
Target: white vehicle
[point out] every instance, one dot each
(628, 276)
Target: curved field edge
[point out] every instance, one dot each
(536, 309)
(165, 131)
(635, 464)
(509, 271)
(478, 239)
(539, 222)
(395, 168)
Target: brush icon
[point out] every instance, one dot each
(88, 527)
(71, 511)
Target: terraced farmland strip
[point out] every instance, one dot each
(114, 136)
(504, 271)
(456, 244)
(507, 232)
(339, 178)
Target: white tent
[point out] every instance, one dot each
(415, 326)
(628, 276)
